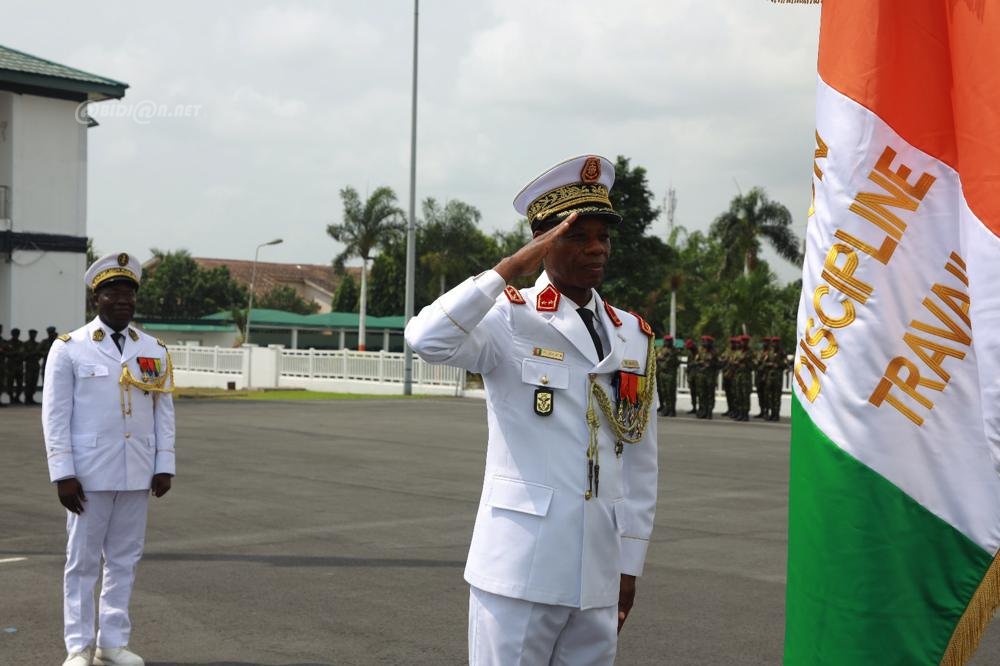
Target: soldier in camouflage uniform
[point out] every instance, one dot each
(706, 363)
(15, 366)
(4, 352)
(667, 361)
(758, 373)
(46, 345)
(692, 374)
(742, 360)
(774, 368)
(775, 378)
(726, 361)
(32, 352)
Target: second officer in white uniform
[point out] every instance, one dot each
(108, 419)
(571, 469)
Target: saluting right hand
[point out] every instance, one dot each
(527, 260)
(71, 495)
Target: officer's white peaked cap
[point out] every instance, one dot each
(115, 266)
(579, 184)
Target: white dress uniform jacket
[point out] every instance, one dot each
(87, 433)
(536, 536)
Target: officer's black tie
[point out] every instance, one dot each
(119, 342)
(587, 315)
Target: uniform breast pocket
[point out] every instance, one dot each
(541, 373)
(87, 370)
(546, 377)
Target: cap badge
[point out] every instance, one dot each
(591, 171)
(548, 299)
(123, 259)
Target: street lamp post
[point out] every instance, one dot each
(411, 226)
(253, 277)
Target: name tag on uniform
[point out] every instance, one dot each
(549, 353)
(630, 364)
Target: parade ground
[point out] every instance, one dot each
(328, 533)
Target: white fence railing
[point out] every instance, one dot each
(350, 365)
(217, 360)
(379, 366)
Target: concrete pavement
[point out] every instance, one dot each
(336, 533)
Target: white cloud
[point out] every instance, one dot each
(299, 99)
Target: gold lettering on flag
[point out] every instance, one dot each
(929, 351)
(841, 262)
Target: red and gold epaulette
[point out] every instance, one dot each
(644, 325)
(611, 315)
(513, 295)
(548, 299)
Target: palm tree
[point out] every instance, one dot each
(750, 217)
(363, 228)
(451, 232)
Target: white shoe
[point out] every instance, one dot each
(120, 656)
(83, 658)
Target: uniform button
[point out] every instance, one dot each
(128, 435)
(544, 380)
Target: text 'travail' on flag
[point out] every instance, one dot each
(894, 507)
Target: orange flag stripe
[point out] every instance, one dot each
(930, 69)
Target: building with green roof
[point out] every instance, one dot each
(330, 330)
(44, 128)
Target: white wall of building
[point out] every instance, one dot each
(50, 166)
(46, 168)
(224, 339)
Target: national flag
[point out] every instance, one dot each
(894, 516)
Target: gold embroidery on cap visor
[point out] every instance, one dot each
(110, 274)
(563, 198)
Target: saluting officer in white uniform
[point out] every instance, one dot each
(108, 419)
(570, 487)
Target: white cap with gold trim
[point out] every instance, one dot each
(115, 266)
(579, 184)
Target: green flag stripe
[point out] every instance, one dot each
(873, 576)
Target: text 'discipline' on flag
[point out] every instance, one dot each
(894, 498)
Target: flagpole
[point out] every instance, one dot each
(411, 229)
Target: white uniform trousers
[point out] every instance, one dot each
(112, 525)
(504, 631)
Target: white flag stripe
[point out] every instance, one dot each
(945, 462)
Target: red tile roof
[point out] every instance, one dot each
(270, 275)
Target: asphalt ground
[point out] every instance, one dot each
(336, 533)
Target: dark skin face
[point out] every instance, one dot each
(115, 303)
(576, 260)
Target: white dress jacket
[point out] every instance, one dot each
(88, 433)
(536, 536)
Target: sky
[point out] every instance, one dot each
(243, 120)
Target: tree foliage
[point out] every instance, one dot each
(634, 276)
(284, 297)
(345, 298)
(750, 218)
(178, 288)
